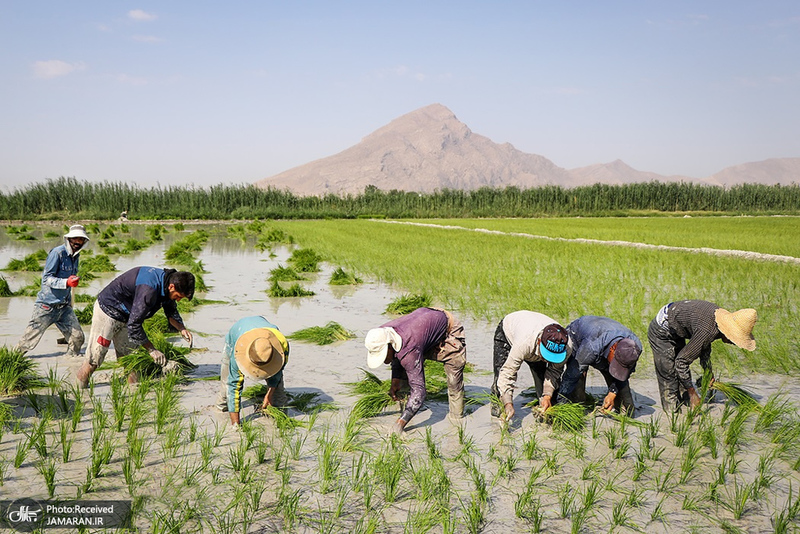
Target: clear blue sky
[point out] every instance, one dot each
(208, 92)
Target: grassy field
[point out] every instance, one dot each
(768, 235)
(489, 276)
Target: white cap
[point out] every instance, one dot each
(377, 342)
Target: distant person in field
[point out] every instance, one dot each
(611, 348)
(122, 307)
(54, 302)
(405, 343)
(681, 332)
(123, 216)
(539, 341)
(254, 348)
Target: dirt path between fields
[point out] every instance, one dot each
(743, 254)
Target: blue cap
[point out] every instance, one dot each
(553, 343)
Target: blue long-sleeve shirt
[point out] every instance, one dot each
(136, 295)
(59, 266)
(420, 330)
(592, 337)
(235, 381)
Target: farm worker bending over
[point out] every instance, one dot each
(609, 347)
(54, 301)
(701, 323)
(256, 349)
(406, 342)
(539, 341)
(122, 307)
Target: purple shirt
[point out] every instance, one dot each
(421, 330)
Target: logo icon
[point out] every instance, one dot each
(24, 515)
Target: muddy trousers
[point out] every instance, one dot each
(281, 398)
(665, 348)
(501, 350)
(623, 402)
(452, 352)
(106, 330)
(45, 315)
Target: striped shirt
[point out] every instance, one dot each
(693, 320)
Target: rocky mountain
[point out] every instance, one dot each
(430, 149)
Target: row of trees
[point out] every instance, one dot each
(68, 197)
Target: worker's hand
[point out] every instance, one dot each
(394, 389)
(608, 402)
(397, 428)
(694, 398)
(171, 367)
(185, 334)
(545, 402)
(158, 357)
(508, 414)
(73, 280)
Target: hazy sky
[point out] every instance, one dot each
(207, 92)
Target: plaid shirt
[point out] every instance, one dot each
(693, 320)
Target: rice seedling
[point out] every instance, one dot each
(663, 479)
(639, 467)
(172, 438)
(620, 515)
(567, 417)
(329, 460)
(680, 429)
(566, 499)
(387, 470)
(288, 505)
(140, 363)
(282, 420)
(101, 456)
(66, 441)
(48, 469)
(21, 452)
(340, 277)
(138, 447)
(323, 335)
(284, 274)
(738, 496)
(691, 453)
(17, 373)
(474, 515)
(3, 470)
(87, 485)
(658, 513)
(236, 456)
(77, 406)
(691, 503)
(295, 290)
(777, 408)
(405, 304)
(305, 260)
(735, 429)
(735, 393)
(766, 471)
(166, 401)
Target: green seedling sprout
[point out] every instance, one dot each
(340, 277)
(323, 335)
(406, 304)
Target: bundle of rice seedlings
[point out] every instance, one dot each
(85, 314)
(51, 233)
(342, 278)
(305, 260)
(295, 290)
(273, 235)
(323, 335)
(369, 384)
(31, 289)
(568, 416)
(95, 264)
(84, 297)
(134, 245)
(17, 373)
(408, 303)
(28, 263)
(158, 323)
(735, 393)
(141, 363)
(284, 274)
(371, 404)
(5, 289)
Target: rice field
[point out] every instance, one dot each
(326, 464)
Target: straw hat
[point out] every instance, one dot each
(259, 353)
(377, 342)
(737, 326)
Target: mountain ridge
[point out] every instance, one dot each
(429, 149)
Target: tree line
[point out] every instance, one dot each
(70, 198)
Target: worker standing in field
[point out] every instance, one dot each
(611, 348)
(256, 349)
(122, 307)
(406, 342)
(700, 322)
(539, 341)
(54, 302)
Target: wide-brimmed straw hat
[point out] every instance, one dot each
(737, 326)
(77, 230)
(377, 342)
(259, 353)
